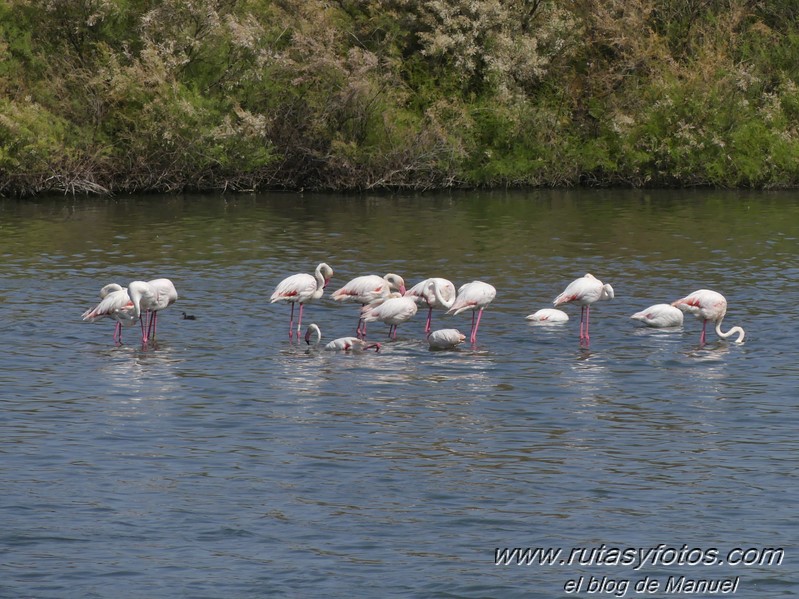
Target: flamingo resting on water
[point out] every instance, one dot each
(548, 316)
(711, 306)
(474, 296)
(445, 338)
(367, 289)
(435, 292)
(149, 298)
(301, 289)
(660, 316)
(115, 304)
(585, 291)
(340, 344)
(393, 310)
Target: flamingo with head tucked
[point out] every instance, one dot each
(393, 310)
(548, 316)
(585, 291)
(115, 305)
(474, 296)
(660, 316)
(366, 289)
(149, 298)
(340, 344)
(709, 305)
(445, 338)
(301, 289)
(435, 292)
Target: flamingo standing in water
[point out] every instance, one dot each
(301, 289)
(436, 293)
(366, 289)
(340, 344)
(584, 292)
(709, 305)
(474, 296)
(445, 338)
(393, 310)
(660, 316)
(149, 298)
(549, 316)
(116, 305)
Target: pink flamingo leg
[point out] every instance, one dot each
(299, 323)
(475, 325)
(118, 333)
(153, 324)
(291, 321)
(587, 323)
(142, 318)
(702, 336)
(428, 325)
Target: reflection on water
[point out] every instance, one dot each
(226, 461)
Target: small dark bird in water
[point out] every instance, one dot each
(188, 316)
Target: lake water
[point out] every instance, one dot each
(225, 461)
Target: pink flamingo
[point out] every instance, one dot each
(660, 316)
(340, 344)
(366, 289)
(584, 292)
(116, 305)
(709, 306)
(436, 293)
(549, 316)
(445, 338)
(301, 289)
(393, 310)
(474, 296)
(149, 298)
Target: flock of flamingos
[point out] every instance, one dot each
(385, 299)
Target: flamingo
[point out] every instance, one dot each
(149, 298)
(436, 293)
(367, 289)
(549, 316)
(116, 305)
(474, 296)
(709, 306)
(660, 316)
(445, 338)
(393, 310)
(340, 344)
(301, 289)
(584, 292)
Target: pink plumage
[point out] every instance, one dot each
(474, 296)
(301, 289)
(585, 291)
(708, 305)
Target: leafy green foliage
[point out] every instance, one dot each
(99, 96)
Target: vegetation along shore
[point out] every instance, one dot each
(100, 96)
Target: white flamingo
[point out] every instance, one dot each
(435, 292)
(474, 296)
(367, 289)
(393, 310)
(115, 304)
(548, 316)
(340, 344)
(584, 292)
(301, 289)
(149, 298)
(445, 338)
(709, 305)
(660, 316)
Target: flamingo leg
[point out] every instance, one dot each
(428, 325)
(299, 322)
(702, 336)
(477, 325)
(291, 321)
(151, 329)
(587, 323)
(118, 333)
(142, 318)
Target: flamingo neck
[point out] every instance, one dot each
(741, 333)
(313, 330)
(439, 298)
